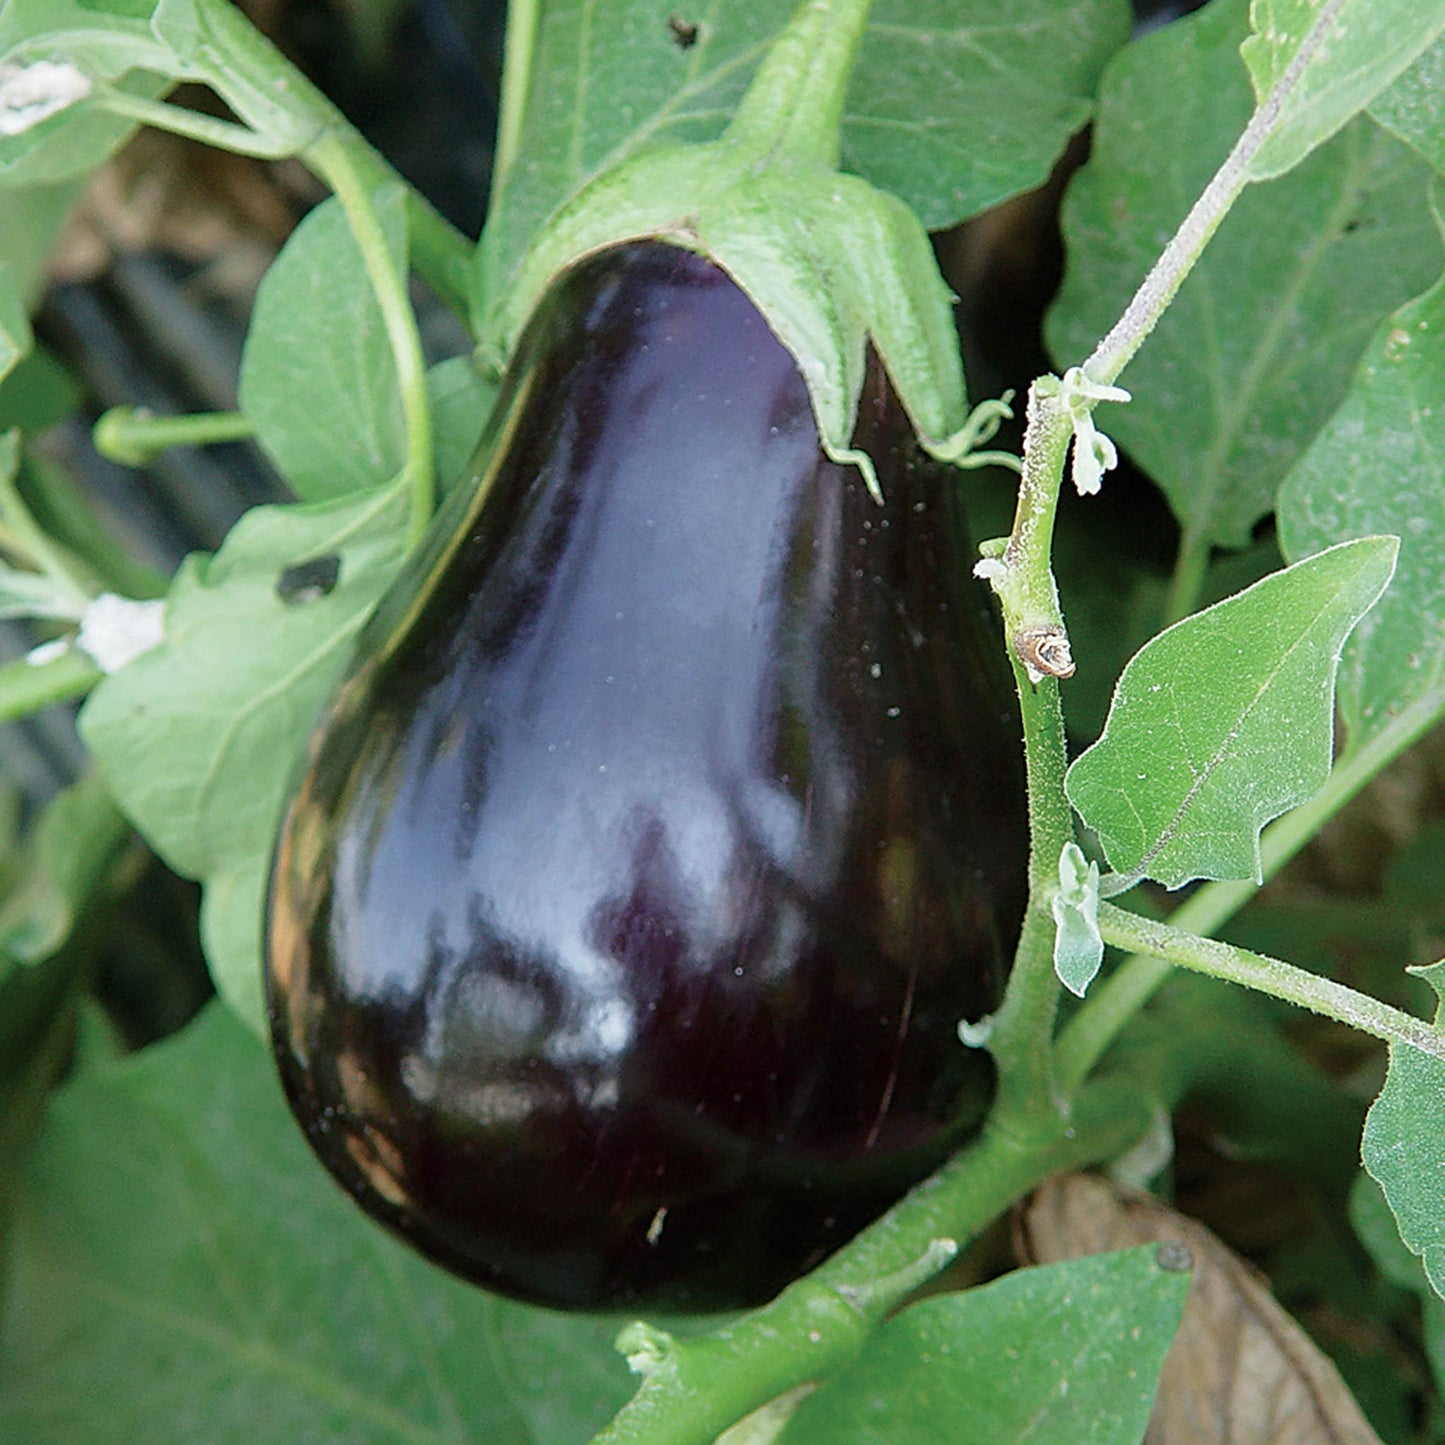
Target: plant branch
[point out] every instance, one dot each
(1119, 997)
(27, 687)
(1270, 976)
(520, 52)
(693, 1389)
(1176, 261)
(133, 436)
(388, 281)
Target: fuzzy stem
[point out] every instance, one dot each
(27, 687)
(1116, 999)
(1176, 261)
(388, 282)
(793, 109)
(693, 1389)
(520, 50)
(1267, 975)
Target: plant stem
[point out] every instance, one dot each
(333, 162)
(793, 109)
(27, 687)
(179, 120)
(1119, 997)
(520, 52)
(1270, 976)
(696, 1388)
(1022, 1038)
(287, 116)
(27, 540)
(1176, 261)
(1187, 582)
(132, 436)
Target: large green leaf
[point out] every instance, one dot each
(1414, 106)
(955, 104)
(1225, 720)
(198, 737)
(1379, 467)
(1404, 1149)
(185, 1272)
(1369, 44)
(1063, 1354)
(1259, 345)
(318, 377)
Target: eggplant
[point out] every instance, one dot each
(668, 822)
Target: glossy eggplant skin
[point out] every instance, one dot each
(669, 822)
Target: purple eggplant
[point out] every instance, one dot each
(669, 820)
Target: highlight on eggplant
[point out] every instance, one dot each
(669, 820)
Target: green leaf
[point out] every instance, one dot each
(1078, 948)
(73, 845)
(1063, 1354)
(1258, 347)
(953, 105)
(110, 40)
(318, 378)
(1404, 1149)
(216, 44)
(1370, 43)
(198, 737)
(1224, 721)
(461, 401)
(40, 391)
(1378, 466)
(15, 337)
(1414, 106)
(29, 220)
(185, 1272)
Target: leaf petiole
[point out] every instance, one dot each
(1272, 976)
(334, 162)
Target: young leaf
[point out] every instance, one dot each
(184, 1272)
(1379, 467)
(199, 736)
(1224, 721)
(1404, 1151)
(954, 105)
(1258, 347)
(1368, 45)
(1062, 1354)
(1078, 949)
(73, 845)
(318, 378)
(1414, 106)
(461, 400)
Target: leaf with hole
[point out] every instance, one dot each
(198, 737)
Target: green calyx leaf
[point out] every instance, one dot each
(830, 260)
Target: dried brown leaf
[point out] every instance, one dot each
(1241, 1371)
